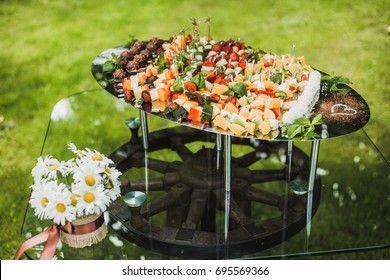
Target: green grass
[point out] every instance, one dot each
(46, 49)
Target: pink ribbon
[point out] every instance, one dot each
(52, 235)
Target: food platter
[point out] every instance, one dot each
(131, 72)
(224, 88)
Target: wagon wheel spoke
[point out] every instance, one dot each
(155, 184)
(177, 195)
(258, 195)
(197, 208)
(261, 176)
(247, 159)
(181, 149)
(236, 213)
(161, 165)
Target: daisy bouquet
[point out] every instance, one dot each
(65, 190)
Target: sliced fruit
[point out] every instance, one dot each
(237, 119)
(221, 122)
(216, 111)
(243, 101)
(195, 113)
(268, 114)
(219, 89)
(189, 104)
(250, 126)
(255, 113)
(163, 94)
(154, 94)
(244, 112)
(236, 129)
(264, 128)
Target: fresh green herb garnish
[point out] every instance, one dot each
(330, 83)
(239, 89)
(160, 62)
(189, 68)
(257, 53)
(111, 65)
(219, 70)
(199, 81)
(281, 94)
(178, 85)
(140, 101)
(131, 41)
(303, 128)
(207, 113)
(276, 77)
(180, 113)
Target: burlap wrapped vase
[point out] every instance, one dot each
(85, 231)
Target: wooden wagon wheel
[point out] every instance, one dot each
(193, 196)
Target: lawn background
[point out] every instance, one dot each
(46, 49)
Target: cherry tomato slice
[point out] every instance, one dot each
(189, 86)
(215, 97)
(233, 56)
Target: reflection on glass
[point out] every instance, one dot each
(62, 111)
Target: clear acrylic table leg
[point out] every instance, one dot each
(145, 130)
(228, 159)
(289, 159)
(286, 190)
(219, 151)
(312, 177)
(145, 142)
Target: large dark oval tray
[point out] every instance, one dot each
(342, 113)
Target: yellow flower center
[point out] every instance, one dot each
(44, 202)
(60, 207)
(97, 157)
(89, 197)
(74, 199)
(108, 170)
(90, 180)
(53, 167)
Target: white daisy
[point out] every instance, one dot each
(98, 157)
(114, 192)
(92, 200)
(65, 167)
(50, 167)
(43, 167)
(94, 185)
(40, 197)
(74, 199)
(86, 173)
(39, 170)
(60, 208)
(113, 174)
(113, 183)
(76, 151)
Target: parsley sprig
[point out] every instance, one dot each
(303, 128)
(132, 40)
(333, 84)
(110, 66)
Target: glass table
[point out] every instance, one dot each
(268, 211)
